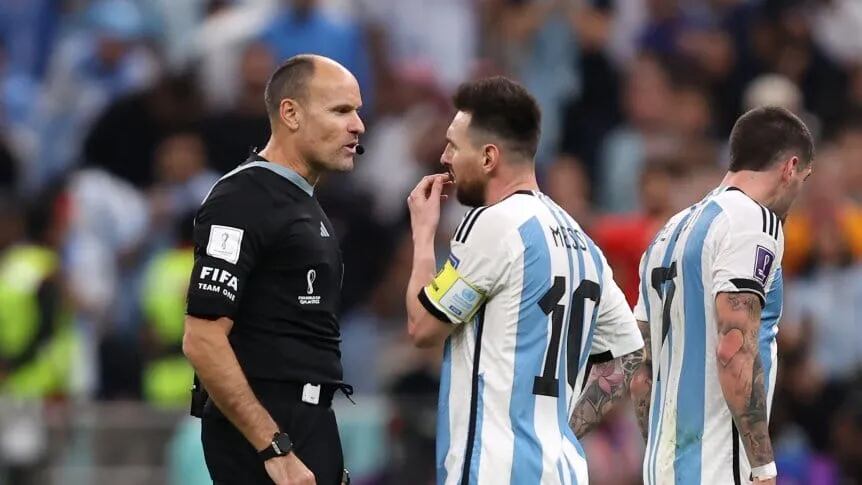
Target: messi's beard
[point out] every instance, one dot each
(471, 194)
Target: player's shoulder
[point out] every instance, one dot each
(744, 214)
(668, 228)
(490, 225)
(678, 218)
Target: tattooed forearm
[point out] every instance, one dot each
(752, 421)
(607, 383)
(641, 387)
(741, 373)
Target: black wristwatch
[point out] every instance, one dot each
(280, 446)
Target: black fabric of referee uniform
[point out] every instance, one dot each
(232, 460)
(281, 287)
(278, 333)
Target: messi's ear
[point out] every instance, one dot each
(491, 154)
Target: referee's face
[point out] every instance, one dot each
(331, 124)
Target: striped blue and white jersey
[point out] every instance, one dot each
(532, 298)
(725, 243)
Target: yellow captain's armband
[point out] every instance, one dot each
(454, 296)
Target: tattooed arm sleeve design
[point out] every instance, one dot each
(641, 387)
(741, 372)
(608, 382)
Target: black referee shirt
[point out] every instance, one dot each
(267, 257)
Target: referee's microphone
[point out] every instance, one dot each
(360, 149)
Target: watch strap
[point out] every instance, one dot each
(277, 447)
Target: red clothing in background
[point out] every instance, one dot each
(623, 239)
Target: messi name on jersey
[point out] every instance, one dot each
(568, 237)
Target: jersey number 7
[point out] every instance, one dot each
(659, 277)
(547, 384)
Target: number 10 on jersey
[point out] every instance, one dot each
(547, 384)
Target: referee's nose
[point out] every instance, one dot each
(356, 126)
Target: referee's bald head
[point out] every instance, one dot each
(292, 78)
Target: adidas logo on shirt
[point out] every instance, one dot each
(323, 231)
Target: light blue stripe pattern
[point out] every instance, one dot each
(443, 437)
(769, 324)
(584, 350)
(530, 344)
(600, 271)
(562, 361)
(571, 467)
(656, 406)
(477, 441)
(644, 286)
(589, 344)
(692, 381)
(644, 295)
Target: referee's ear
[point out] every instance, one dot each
(288, 111)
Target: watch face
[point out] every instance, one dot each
(283, 443)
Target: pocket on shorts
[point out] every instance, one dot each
(303, 422)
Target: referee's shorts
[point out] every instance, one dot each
(232, 460)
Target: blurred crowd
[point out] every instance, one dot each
(117, 116)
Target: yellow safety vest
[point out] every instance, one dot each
(167, 379)
(23, 270)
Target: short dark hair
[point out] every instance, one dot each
(763, 134)
(290, 80)
(504, 108)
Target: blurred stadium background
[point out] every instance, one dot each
(116, 117)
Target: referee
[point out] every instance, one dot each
(261, 329)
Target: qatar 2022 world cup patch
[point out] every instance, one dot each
(763, 264)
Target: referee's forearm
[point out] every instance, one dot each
(216, 365)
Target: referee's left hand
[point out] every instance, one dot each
(289, 470)
(424, 204)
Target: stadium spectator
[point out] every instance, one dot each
(89, 69)
(230, 133)
(647, 103)
(303, 26)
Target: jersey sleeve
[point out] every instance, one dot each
(616, 329)
(472, 273)
(746, 257)
(227, 242)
